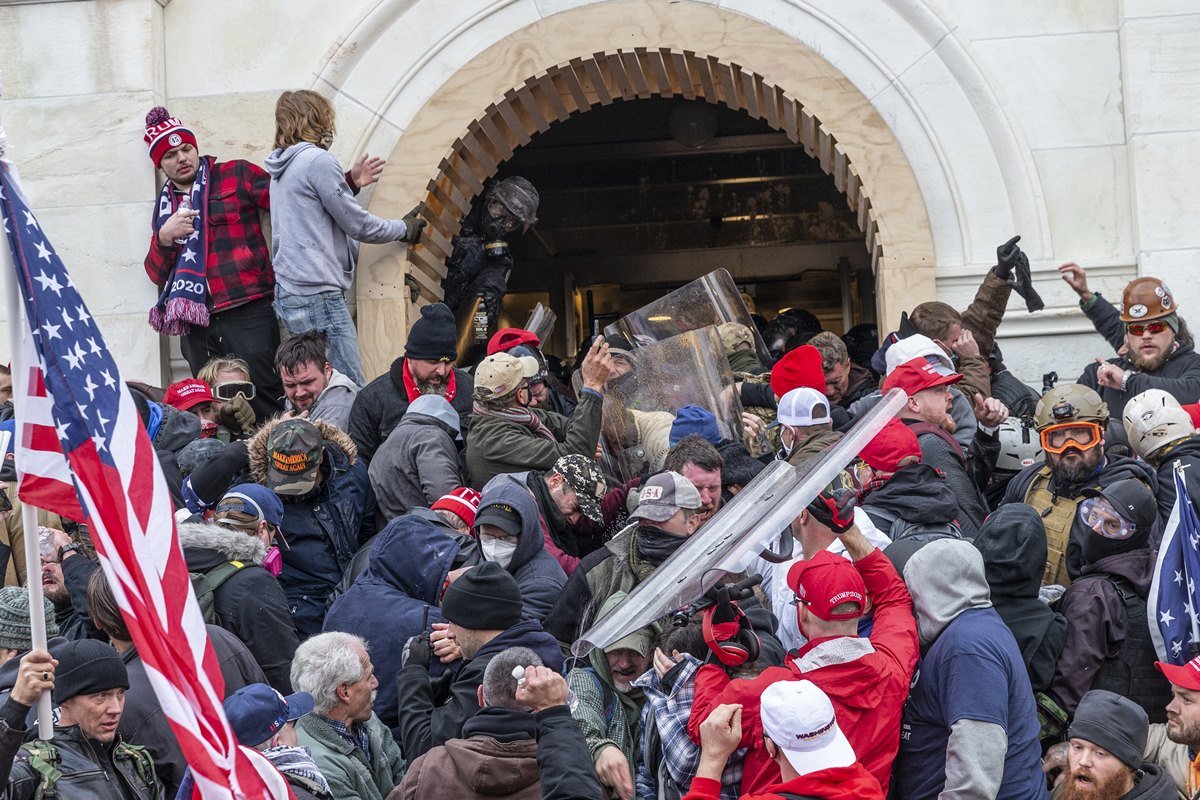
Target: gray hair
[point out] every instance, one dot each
(499, 686)
(325, 662)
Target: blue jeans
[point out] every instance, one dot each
(324, 311)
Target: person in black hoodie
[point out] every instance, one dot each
(1108, 643)
(1013, 543)
(483, 608)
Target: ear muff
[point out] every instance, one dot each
(733, 642)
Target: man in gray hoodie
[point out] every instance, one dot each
(419, 462)
(316, 226)
(314, 389)
(970, 726)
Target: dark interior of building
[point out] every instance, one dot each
(641, 197)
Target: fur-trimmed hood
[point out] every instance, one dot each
(229, 544)
(338, 445)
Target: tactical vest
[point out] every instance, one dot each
(1058, 514)
(1131, 673)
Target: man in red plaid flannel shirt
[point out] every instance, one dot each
(238, 270)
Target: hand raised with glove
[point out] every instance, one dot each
(834, 509)
(1008, 255)
(413, 225)
(417, 652)
(237, 415)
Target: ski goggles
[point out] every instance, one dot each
(1081, 435)
(1139, 328)
(231, 389)
(1099, 515)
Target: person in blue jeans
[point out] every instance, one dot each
(316, 226)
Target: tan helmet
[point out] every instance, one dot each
(1070, 402)
(1146, 298)
(1153, 420)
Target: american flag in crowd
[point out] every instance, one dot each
(101, 448)
(1172, 603)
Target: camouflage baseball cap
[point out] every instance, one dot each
(587, 481)
(294, 453)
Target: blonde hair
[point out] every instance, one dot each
(209, 372)
(303, 116)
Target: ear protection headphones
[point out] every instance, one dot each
(728, 633)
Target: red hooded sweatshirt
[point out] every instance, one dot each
(867, 681)
(839, 783)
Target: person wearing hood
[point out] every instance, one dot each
(427, 367)
(801, 734)
(396, 597)
(314, 389)
(1070, 421)
(316, 226)
(1105, 746)
(1108, 644)
(420, 460)
(521, 745)
(482, 608)
(1162, 434)
(508, 527)
(970, 726)
(238, 556)
(903, 497)
(1013, 543)
(609, 707)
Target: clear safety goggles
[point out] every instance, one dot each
(1080, 435)
(1099, 515)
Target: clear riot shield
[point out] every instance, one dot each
(742, 528)
(639, 405)
(541, 323)
(710, 300)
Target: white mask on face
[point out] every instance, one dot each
(497, 550)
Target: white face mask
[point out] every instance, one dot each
(497, 550)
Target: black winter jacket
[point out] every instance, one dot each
(1187, 452)
(938, 453)
(915, 494)
(538, 575)
(250, 604)
(382, 402)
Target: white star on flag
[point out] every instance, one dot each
(43, 253)
(189, 255)
(1165, 618)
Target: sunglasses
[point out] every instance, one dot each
(1080, 435)
(231, 389)
(1140, 328)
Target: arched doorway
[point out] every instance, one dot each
(696, 98)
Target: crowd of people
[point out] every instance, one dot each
(393, 572)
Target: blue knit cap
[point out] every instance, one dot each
(695, 420)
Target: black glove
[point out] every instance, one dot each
(414, 225)
(834, 509)
(1024, 286)
(418, 652)
(1007, 255)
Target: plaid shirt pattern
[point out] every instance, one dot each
(239, 258)
(356, 736)
(668, 710)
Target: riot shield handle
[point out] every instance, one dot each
(786, 546)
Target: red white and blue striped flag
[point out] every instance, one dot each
(117, 482)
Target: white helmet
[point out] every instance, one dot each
(1020, 445)
(1153, 420)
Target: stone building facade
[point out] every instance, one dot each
(948, 125)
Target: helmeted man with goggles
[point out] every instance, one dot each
(1070, 421)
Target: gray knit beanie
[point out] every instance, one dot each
(15, 632)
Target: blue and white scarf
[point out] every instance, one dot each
(184, 300)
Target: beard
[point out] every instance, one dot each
(1148, 363)
(1112, 788)
(1075, 470)
(1183, 733)
(434, 385)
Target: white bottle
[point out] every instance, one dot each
(185, 204)
(519, 673)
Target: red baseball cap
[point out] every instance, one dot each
(1187, 676)
(799, 367)
(188, 393)
(824, 582)
(506, 339)
(894, 443)
(919, 374)
(1193, 410)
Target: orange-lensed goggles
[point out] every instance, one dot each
(1140, 328)
(1081, 435)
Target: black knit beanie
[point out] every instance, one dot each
(1112, 722)
(87, 666)
(434, 336)
(484, 598)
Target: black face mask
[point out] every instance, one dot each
(656, 546)
(1094, 547)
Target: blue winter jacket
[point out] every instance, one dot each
(538, 575)
(395, 594)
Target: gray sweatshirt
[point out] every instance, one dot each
(316, 224)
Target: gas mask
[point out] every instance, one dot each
(497, 550)
(273, 561)
(510, 205)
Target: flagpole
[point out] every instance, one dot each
(29, 523)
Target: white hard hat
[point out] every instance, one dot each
(1153, 420)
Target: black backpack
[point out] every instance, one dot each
(916, 531)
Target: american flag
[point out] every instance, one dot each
(104, 452)
(1172, 603)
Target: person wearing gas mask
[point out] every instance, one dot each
(507, 435)
(509, 530)
(1108, 642)
(316, 227)
(239, 560)
(1070, 421)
